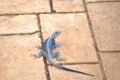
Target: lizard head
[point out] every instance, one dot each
(56, 33)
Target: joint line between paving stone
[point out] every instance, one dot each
(81, 63)
(116, 51)
(12, 34)
(7, 14)
(51, 6)
(44, 59)
(101, 2)
(69, 12)
(94, 41)
(90, 27)
(41, 13)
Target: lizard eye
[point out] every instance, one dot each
(56, 32)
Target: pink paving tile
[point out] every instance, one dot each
(18, 24)
(75, 40)
(24, 6)
(15, 60)
(111, 63)
(68, 5)
(105, 18)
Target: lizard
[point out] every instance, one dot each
(47, 50)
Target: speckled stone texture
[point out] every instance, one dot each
(18, 24)
(23, 6)
(105, 18)
(16, 62)
(111, 63)
(68, 5)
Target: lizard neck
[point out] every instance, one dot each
(52, 36)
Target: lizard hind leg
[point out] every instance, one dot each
(57, 56)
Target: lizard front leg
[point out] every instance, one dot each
(41, 53)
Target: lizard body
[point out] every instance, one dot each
(46, 51)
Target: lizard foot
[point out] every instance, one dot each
(32, 55)
(60, 59)
(39, 47)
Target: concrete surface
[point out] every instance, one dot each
(89, 42)
(111, 64)
(16, 62)
(71, 5)
(105, 19)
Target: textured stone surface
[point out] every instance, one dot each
(105, 19)
(24, 6)
(111, 63)
(75, 40)
(99, 0)
(18, 24)
(57, 74)
(68, 5)
(15, 60)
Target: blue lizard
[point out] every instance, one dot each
(46, 51)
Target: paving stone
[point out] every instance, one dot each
(16, 62)
(75, 40)
(57, 74)
(68, 5)
(24, 6)
(18, 24)
(105, 21)
(111, 63)
(99, 0)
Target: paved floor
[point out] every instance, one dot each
(90, 39)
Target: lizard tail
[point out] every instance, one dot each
(71, 70)
(67, 69)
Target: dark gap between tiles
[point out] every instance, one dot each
(13, 14)
(51, 6)
(81, 63)
(44, 58)
(94, 40)
(115, 51)
(101, 2)
(11, 34)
